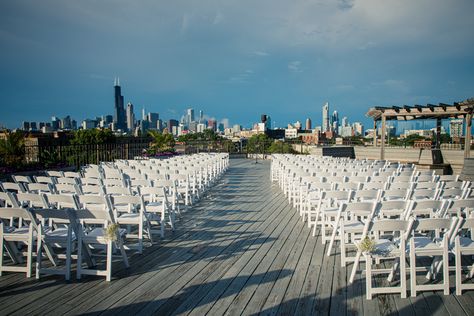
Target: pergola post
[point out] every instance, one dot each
(438, 133)
(375, 133)
(467, 139)
(382, 139)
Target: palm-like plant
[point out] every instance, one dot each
(162, 142)
(12, 148)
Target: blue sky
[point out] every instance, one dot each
(232, 59)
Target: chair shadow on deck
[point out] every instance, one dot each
(187, 298)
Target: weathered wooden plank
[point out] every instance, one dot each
(307, 297)
(294, 290)
(240, 290)
(216, 286)
(175, 280)
(281, 286)
(277, 267)
(147, 289)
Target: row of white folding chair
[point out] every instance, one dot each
(45, 237)
(426, 208)
(455, 238)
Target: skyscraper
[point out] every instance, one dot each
(335, 121)
(308, 124)
(189, 116)
(130, 117)
(201, 117)
(326, 125)
(119, 114)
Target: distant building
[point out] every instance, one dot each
(88, 124)
(119, 117)
(189, 115)
(346, 131)
(130, 117)
(66, 123)
(291, 133)
(456, 128)
(326, 126)
(212, 124)
(200, 127)
(308, 123)
(298, 125)
(25, 126)
(236, 128)
(335, 121)
(201, 117)
(172, 123)
(55, 123)
(153, 119)
(358, 128)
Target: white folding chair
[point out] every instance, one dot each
(464, 246)
(110, 236)
(13, 236)
(54, 236)
(386, 249)
(130, 210)
(425, 243)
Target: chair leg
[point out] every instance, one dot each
(2, 248)
(68, 254)
(458, 270)
(368, 276)
(412, 274)
(108, 275)
(79, 254)
(124, 254)
(29, 257)
(445, 263)
(355, 266)
(39, 255)
(403, 276)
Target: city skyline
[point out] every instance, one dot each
(287, 59)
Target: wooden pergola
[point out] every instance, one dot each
(438, 112)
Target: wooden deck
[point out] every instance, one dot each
(241, 250)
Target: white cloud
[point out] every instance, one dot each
(295, 66)
(261, 53)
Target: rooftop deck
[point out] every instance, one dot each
(241, 250)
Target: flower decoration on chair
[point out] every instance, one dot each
(111, 232)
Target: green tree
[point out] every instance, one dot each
(161, 142)
(12, 149)
(92, 136)
(279, 147)
(258, 143)
(411, 139)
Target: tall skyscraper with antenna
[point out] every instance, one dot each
(119, 110)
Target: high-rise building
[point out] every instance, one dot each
(55, 123)
(130, 117)
(119, 114)
(335, 121)
(66, 123)
(172, 123)
(189, 116)
(201, 117)
(212, 124)
(308, 124)
(153, 120)
(144, 117)
(326, 126)
(456, 127)
(358, 128)
(344, 122)
(297, 125)
(26, 126)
